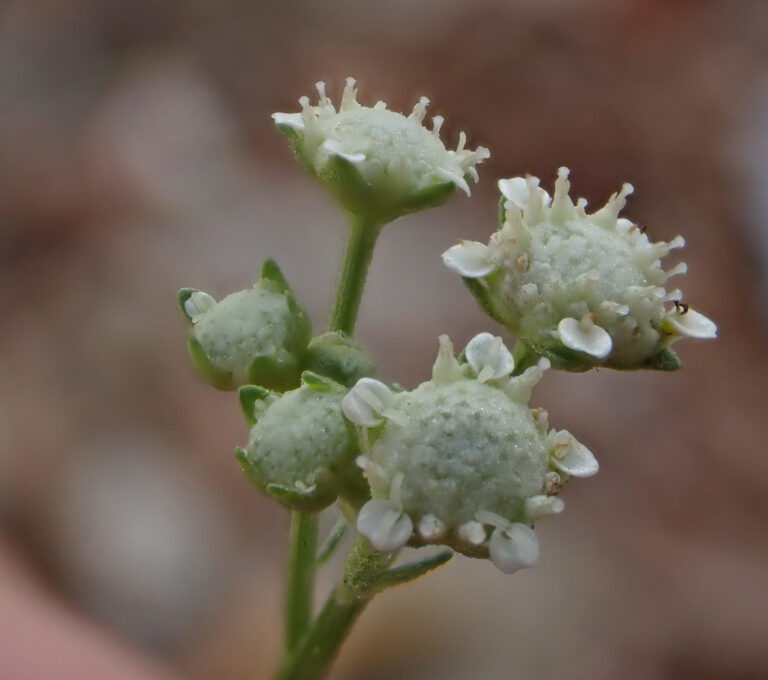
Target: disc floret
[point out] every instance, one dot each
(378, 163)
(462, 460)
(582, 289)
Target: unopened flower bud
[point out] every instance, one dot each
(255, 336)
(301, 449)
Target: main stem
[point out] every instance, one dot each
(313, 657)
(302, 560)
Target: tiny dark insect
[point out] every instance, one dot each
(680, 307)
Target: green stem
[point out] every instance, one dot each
(302, 562)
(312, 659)
(358, 253)
(301, 577)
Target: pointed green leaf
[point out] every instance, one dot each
(666, 360)
(429, 197)
(270, 271)
(332, 542)
(181, 297)
(412, 571)
(279, 374)
(221, 380)
(317, 382)
(249, 396)
(247, 467)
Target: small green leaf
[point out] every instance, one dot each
(270, 271)
(279, 374)
(182, 296)
(317, 382)
(221, 380)
(332, 542)
(309, 500)
(429, 197)
(666, 360)
(412, 571)
(250, 396)
(247, 467)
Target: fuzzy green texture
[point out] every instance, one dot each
(303, 437)
(461, 447)
(261, 324)
(561, 257)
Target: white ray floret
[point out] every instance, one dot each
(488, 357)
(571, 456)
(367, 402)
(513, 545)
(383, 522)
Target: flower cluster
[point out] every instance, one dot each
(378, 163)
(582, 289)
(462, 460)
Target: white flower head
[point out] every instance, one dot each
(462, 460)
(582, 289)
(376, 162)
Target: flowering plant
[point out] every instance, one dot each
(461, 460)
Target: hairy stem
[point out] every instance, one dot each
(312, 658)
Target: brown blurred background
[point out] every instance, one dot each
(137, 156)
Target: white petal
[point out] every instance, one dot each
(198, 304)
(292, 120)
(692, 324)
(514, 548)
(385, 525)
(470, 258)
(572, 457)
(366, 402)
(516, 190)
(488, 357)
(537, 507)
(585, 337)
(334, 146)
(431, 528)
(472, 532)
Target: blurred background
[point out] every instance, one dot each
(137, 155)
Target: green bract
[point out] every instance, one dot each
(301, 450)
(583, 290)
(254, 336)
(461, 460)
(378, 163)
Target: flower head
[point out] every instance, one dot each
(301, 449)
(582, 289)
(376, 162)
(462, 460)
(257, 336)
